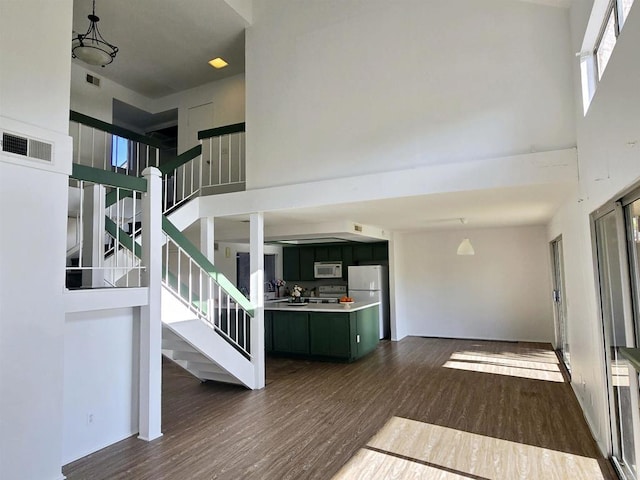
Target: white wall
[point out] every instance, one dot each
(608, 165)
(97, 102)
(34, 100)
(100, 380)
(503, 292)
(227, 96)
(376, 86)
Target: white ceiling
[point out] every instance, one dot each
(164, 45)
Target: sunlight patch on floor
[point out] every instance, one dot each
(542, 366)
(406, 449)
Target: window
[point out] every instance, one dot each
(623, 11)
(243, 271)
(119, 151)
(593, 63)
(606, 42)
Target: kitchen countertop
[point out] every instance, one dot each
(284, 306)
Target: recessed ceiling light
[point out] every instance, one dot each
(218, 63)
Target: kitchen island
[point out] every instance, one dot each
(326, 331)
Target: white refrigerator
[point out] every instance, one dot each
(370, 283)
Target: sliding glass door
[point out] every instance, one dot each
(615, 270)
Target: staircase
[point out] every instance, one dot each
(206, 321)
(191, 343)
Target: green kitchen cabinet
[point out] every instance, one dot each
(329, 335)
(329, 253)
(334, 252)
(291, 332)
(268, 332)
(322, 254)
(338, 335)
(362, 253)
(347, 259)
(381, 251)
(291, 263)
(307, 257)
(367, 330)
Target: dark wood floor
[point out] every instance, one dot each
(313, 416)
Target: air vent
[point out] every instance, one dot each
(93, 80)
(40, 150)
(14, 144)
(27, 147)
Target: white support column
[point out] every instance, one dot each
(150, 322)
(207, 238)
(93, 212)
(256, 263)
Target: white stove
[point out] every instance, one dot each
(329, 294)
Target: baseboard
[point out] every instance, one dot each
(95, 449)
(149, 439)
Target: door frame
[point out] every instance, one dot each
(618, 208)
(559, 286)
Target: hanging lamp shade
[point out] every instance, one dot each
(465, 248)
(91, 47)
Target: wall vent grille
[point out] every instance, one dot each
(39, 150)
(14, 144)
(27, 147)
(93, 80)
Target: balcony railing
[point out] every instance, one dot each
(103, 245)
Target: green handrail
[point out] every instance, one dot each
(183, 242)
(124, 238)
(113, 129)
(180, 159)
(104, 177)
(219, 131)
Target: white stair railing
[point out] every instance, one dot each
(107, 147)
(218, 162)
(223, 159)
(103, 249)
(205, 297)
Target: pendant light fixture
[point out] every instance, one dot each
(465, 247)
(91, 47)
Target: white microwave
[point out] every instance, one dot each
(327, 269)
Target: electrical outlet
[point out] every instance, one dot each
(89, 418)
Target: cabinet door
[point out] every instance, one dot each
(322, 254)
(291, 263)
(291, 332)
(362, 253)
(334, 253)
(367, 329)
(347, 259)
(268, 332)
(381, 251)
(329, 334)
(307, 257)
